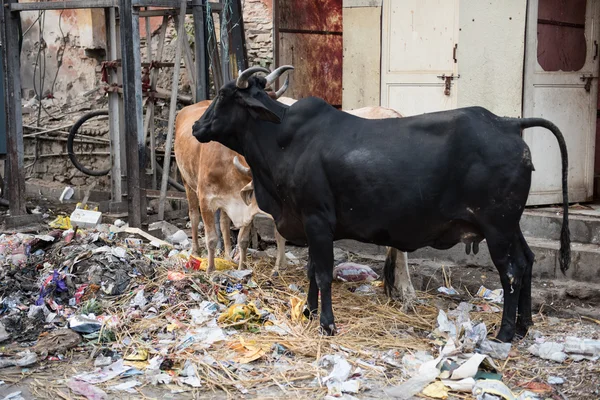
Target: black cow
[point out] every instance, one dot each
(430, 180)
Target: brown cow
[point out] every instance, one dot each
(211, 183)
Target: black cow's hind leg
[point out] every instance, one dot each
(502, 252)
(524, 317)
(320, 250)
(313, 291)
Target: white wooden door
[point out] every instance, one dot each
(556, 90)
(418, 47)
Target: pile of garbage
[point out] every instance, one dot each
(141, 313)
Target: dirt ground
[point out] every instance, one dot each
(372, 329)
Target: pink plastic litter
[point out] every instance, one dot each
(352, 272)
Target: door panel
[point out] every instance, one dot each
(561, 49)
(417, 47)
(309, 36)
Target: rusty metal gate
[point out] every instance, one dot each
(309, 36)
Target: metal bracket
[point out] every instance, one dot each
(447, 82)
(588, 81)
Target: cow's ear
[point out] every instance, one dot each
(247, 192)
(265, 109)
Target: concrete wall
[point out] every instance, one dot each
(362, 53)
(491, 51)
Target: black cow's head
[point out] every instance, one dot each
(237, 102)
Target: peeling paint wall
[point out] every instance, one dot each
(80, 35)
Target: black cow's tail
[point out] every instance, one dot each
(565, 239)
(389, 269)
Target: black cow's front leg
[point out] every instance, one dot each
(320, 249)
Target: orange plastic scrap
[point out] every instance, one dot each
(175, 276)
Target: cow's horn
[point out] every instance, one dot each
(272, 77)
(240, 167)
(242, 80)
(282, 89)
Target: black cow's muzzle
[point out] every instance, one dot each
(201, 132)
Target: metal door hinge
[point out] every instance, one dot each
(447, 82)
(588, 81)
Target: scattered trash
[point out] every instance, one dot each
(449, 291)
(85, 219)
(126, 386)
(341, 367)
(178, 237)
(102, 361)
(585, 347)
(14, 396)
(57, 342)
(104, 374)
(22, 359)
(66, 194)
(427, 373)
(87, 390)
(495, 296)
(352, 272)
(61, 222)
(3, 334)
(366, 290)
(495, 350)
(175, 276)
(84, 324)
(119, 223)
(549, 351)
(436, 390)
(555, 380)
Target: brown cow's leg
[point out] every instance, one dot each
(281, 261)
(243, 241)
(210, 230)
(226, 232)
(403, 286)
(194, 212)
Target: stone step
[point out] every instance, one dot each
(547, 223)
(585, 259)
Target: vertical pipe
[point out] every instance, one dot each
(149, 124)
(132, 95)
(189, 61)
(14, 118)
(181, 40)
(113, 109)
(200, 50)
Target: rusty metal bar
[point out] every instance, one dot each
(14, 117)
(63, 5)
(149, 124)
(188, 60)
(181, 40)
(309, 32)
(132, 94)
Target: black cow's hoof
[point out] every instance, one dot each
(522, 329)
(274, 274)
(310, 314)
(505, 335)
(328, 330)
